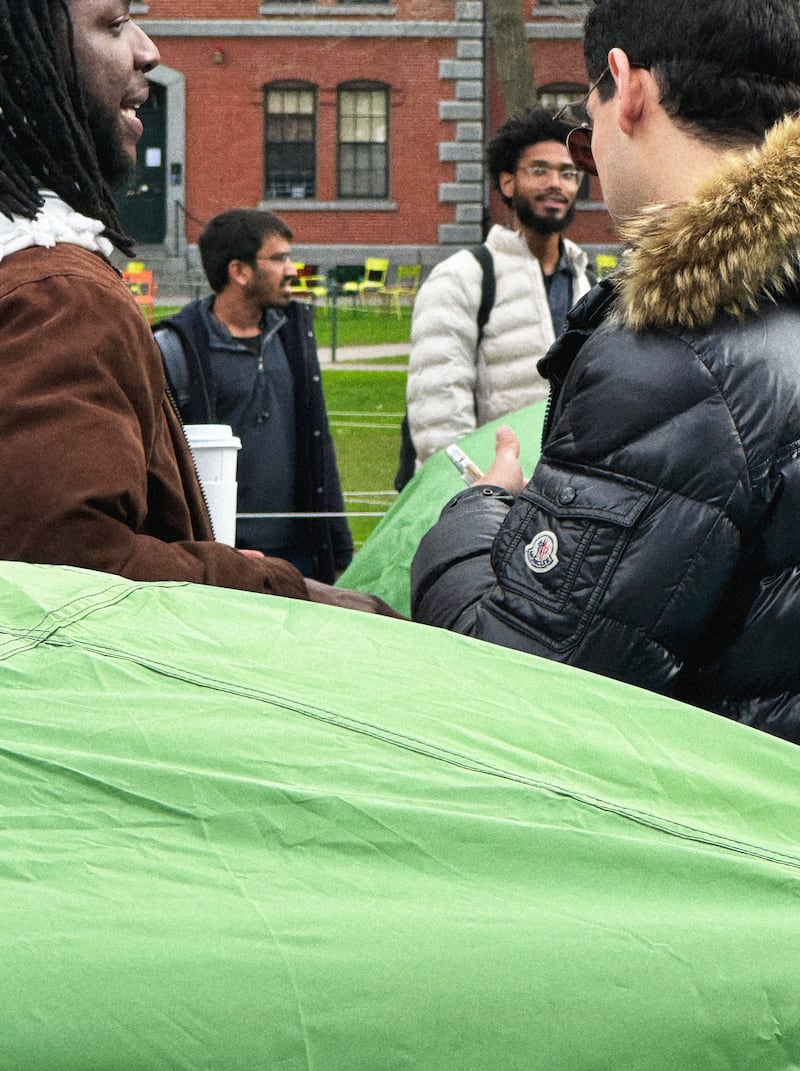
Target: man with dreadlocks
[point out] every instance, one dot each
(96, 470)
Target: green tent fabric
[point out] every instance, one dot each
(382, 565)
(243, 833)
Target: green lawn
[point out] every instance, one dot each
(361, 327)
(161, 312)
(354, 327)
(365, 408)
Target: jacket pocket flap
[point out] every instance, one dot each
(569, 490)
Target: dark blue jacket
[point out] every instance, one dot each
(318, 489)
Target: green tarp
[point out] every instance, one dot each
(244, 833)
(382, 564)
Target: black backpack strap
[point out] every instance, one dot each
(175, 364)
(406, 461)
(183, 340)
(483, 255)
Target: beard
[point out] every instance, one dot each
(115, 163)
(540, 224)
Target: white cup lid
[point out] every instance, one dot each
(211, 435)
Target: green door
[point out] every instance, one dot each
(143, 208)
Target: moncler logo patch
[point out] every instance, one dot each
(541, 554)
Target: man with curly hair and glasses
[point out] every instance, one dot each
(657, 540)
(463, 373)
(96, 470)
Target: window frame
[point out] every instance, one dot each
(309, 186)
(342, 147)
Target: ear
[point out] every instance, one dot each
(508, 184)
(631, 89)
(239, 272)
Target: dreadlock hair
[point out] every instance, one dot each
(44, 126)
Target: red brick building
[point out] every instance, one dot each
(363, 123)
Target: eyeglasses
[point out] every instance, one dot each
(568, 175)
(276, 258)
(579, 139)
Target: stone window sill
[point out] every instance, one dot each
(291, 7)
(299, 204)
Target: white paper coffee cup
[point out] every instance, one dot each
(216, 450)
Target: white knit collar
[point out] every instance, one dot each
(56, 222)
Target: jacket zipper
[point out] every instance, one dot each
(177, 411)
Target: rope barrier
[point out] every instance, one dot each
(306, 516)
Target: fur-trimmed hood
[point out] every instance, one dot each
(733, 244)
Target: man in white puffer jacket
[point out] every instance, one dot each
(457, 380)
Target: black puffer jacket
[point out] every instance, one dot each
(658, 540)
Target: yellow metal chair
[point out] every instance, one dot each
(404, 289)
(308, 286)
(374, 279)
(606, 262)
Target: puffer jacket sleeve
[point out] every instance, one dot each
(442, 368)
(452, 570)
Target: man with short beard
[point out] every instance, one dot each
(459, 377)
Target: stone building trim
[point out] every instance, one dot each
(323, 27)
(286, 204)
(278, 7)
(467, 74)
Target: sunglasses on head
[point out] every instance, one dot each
(579, 139)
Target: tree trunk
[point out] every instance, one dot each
(512, 57)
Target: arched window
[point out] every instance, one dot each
(363, 140)
(290, 140)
